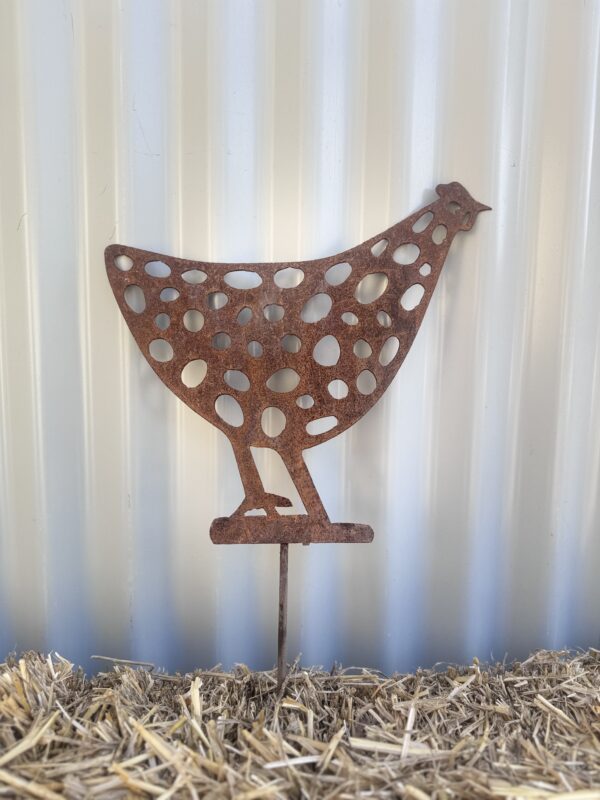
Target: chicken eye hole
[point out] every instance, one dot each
(454, 207)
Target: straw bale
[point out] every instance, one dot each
(524, 730)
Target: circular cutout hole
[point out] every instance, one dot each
(316, 308)
(273, 312)
(244, 317)
(321, 425)
(194, 276)
(255, 349)
(288, 278)
(221, 341)
(230, 411)
(243, 279)
(366, 383)
(338, 273)
(327, 351)
(379, 247)
(237, 380)
(194, 373)
(362, 349)
(193, 320)
(389, 350)
(412, 297)
(371, 287)
(406, 254)
(305, 401)
(157, 269)
(123, 262)
(217, 300)
(134, 297)
(439, 234)
(425, 270)
(384, 319)
(291, 343)
(284, 380)
(162, 321)
(423, 222)
(349, 318)
(338, 389)
(169, 294)
(273, 421)
(160, 350)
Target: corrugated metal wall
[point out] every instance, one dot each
(283, 130)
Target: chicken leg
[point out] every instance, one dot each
(255, 496)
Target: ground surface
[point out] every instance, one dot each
(531, 730)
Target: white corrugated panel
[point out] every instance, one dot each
(284, 130)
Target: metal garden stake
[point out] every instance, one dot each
(286, 356)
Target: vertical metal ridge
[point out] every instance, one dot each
(31, 614)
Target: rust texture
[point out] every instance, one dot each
(287, 355)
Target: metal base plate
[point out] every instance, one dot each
(297, 529)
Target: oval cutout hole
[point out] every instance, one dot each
(288, 278)
(193, 373)
(160, 350)
(423, 222)
(349, 318)
(273, 312)
(194, 276)
(321, 425)
(316, 308)
(243, 279)
(157, 269)
(217, 300)
(362, 349)
(134, 297)
(255, 349)
(237, 380)
(379, 247)
(389, 351)
(193, 320)
(327, 351)
(366, 383)
(169, 294)
(439, 234)
(371, 287)
(221, 341)
(230, 411)
(244, 317)
(339, 273)
(291, 343)
(384, 319)
(338, 389)
(162, 321)
(425, 270)
(412, 297)
(273, 421)
(305, 401)
(284, 380)
(123, 262)
(406, 254)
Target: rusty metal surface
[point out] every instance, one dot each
(259, 339)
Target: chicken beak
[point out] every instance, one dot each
(480, 207)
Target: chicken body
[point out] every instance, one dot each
(288, 355)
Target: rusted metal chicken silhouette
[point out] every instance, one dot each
(288, 355)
